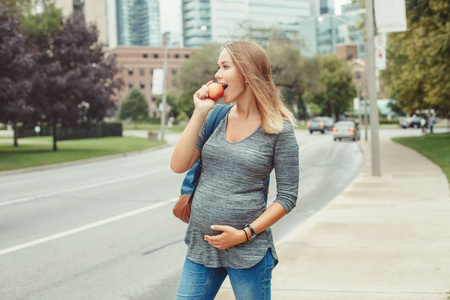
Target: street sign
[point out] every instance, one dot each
(390, 15)
(380, 41)
(157, 82)
(380, 59)
(380, 52)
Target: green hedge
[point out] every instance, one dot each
(93, 131)
(111, 129)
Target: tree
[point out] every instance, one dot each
(15, 71)
(134, 106)
(73, 83)
(418, 67)
(338, 89)
(193, 74)
(294, 73)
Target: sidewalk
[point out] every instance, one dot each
(384, 237)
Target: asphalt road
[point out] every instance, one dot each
(105, 230)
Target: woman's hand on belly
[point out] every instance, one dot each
(229, 237)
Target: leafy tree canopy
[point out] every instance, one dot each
(16, 65)
(418, 69)
(134, 106)
(336, 79)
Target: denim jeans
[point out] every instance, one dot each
(198, 282)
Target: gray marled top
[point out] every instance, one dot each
(231, 192)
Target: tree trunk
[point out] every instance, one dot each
(16, 134)
(329, 110)
(54, 134)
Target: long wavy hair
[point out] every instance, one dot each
(253, 63)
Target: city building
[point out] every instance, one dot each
(226, 20)
(142, 67)
(138, 23)
(92, 11)
(322, 7)
(358, 67)
(353, 14)
(119, 22)
(321, 34)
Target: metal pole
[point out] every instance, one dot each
(164, 90)
(375, 147)
(365, 120)
(358, 95)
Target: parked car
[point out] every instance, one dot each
(316, 124)
(411, 122)
(345, 129)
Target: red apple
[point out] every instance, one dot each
(215, 90)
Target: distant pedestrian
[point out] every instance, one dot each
(229, 228)
(432, 122)
(423, 125)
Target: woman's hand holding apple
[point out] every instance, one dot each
(201, 99)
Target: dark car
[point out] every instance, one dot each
(316, 124)
(329, 123)
(411, 122)
(345, 129)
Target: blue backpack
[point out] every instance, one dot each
(182, 209)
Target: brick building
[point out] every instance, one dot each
(142, 67)
(358, 67)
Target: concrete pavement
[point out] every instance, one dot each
(384, 237)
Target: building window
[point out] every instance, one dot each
(130, 85)
(177, 56)
(144, 55)
(141, 71)
(155, 55)
(142, 85)
(186, 55)
(358, 75)
(130, 71)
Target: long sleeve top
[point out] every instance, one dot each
(231, 192)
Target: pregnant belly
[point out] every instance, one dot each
(232, 211)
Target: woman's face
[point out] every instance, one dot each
(230, 76)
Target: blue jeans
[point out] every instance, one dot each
(198, 282)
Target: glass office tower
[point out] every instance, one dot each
(206, 21)
(138, 23)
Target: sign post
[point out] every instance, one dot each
(374, 123)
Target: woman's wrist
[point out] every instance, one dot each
(200, 112)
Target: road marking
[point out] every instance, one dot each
(77, 188)
(85, 227)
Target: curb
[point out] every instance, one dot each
(81, 161)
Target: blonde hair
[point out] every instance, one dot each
(253, 63)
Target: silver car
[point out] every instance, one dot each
(345, 130)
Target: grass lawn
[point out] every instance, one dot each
(434, 146)
(37, 151)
